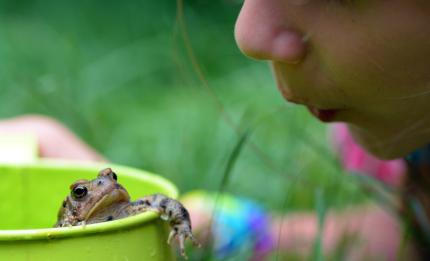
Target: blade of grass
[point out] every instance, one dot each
(384, 195)
(321, 210)
(421, 217)
(232, 160)
(226, 175)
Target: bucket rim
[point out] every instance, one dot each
(104, 227)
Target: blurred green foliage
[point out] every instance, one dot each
(118, 75)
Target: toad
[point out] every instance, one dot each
(104, 199)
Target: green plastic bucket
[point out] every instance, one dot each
(31, 195)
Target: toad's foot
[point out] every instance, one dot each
(182, 234)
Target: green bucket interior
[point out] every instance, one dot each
(32, 195)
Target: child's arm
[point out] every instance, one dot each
(370, 231)
(54, 139)
(364, 231)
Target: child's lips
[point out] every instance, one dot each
(324, 115)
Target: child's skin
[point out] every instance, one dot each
(54, 139)
(365, 61)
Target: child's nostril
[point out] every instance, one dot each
(288, 46)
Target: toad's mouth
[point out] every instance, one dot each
(118, 195)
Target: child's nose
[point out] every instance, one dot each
(263, 32)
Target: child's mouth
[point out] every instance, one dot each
(324, 115)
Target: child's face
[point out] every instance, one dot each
(364, 62)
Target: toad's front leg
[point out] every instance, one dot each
(172, 211)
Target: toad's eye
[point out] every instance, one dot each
(79, 192)
(114, 176)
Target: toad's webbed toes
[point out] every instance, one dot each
(181, 235)
(194, 240)
(181, 239)
(172, 234)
